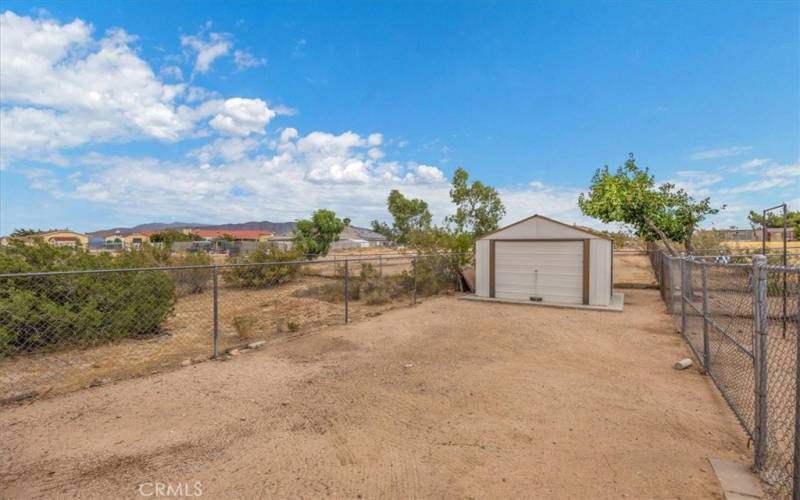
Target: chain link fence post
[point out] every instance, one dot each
(414, 273)
(706, 350)
(215, 335)
(760, 357)
(683, 297)
(346, 291)
(796, 458)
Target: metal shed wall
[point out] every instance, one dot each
(597, 256)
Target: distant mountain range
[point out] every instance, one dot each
(265, 225)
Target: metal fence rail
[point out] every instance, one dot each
(742, 322)
(65, 330)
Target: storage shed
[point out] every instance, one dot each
(542, 260)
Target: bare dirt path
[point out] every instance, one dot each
(446, 399)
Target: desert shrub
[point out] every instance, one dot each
(244, 326)
(330, 292)
(263, 276)
(192, 281)
(434, 274)
(707, 242)
(77, 309)
(292, 326)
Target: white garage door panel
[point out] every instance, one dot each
(547, 269)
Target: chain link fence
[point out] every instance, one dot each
(61, 331)
(742, 321)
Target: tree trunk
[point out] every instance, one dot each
(687, 242)
(661, 236)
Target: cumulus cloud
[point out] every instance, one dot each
(206, 49)
(61, 88)
(244, 60)
(64, 87)
(238, 116)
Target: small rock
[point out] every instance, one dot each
(257, 345)
(409, 365)
(186, 362)
(234, 352)
(683, 364)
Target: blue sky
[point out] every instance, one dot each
(117, 113)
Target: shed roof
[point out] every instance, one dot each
(587, 231)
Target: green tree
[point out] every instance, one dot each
(630, 196)
(315, 236)
(478, 206)
(775, 219)
(170, 236)
(410, 217)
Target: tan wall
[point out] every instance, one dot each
(80, 239)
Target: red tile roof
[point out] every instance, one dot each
(243, 234)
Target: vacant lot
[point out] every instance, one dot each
(446, 399)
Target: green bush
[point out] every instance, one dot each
(263, 276)
(78, 309)
(434, 274)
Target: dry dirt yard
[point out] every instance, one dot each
(449, 398)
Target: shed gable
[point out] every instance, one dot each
(538, 227)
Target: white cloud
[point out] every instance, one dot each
(173, 72)
(227, 149)
(759, 185)
(427, 174)
(709, 154)
(101, 87)
(752, 164)
(206, 49)
(61, 88)
(244, 60)
(376, 153)
(375, 139)
(238, 116)
(789, 172)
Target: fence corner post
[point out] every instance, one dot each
(760, 358)
(704, 283)
(215, 333)
(346, 291)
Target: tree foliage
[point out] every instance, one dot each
(81, 308)
(654, 212)
(410, 218)
(316, 235)
(170, 236)
(479, 208)
(775, 219)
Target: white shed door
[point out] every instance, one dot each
(552, 270)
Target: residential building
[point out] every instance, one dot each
(63, 238)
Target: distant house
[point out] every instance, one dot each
(359, 237)
(350, 238)
(736, 234)
(282, 241)
(129, 241)
(755, 234)
(63, 238)
(235, 234)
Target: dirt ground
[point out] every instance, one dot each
(449, 398)
(633, 269)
